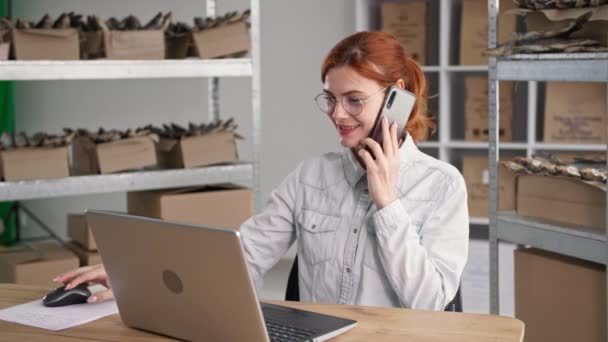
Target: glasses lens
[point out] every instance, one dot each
(326, 103)
(352, 105)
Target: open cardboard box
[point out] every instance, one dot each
(123, 155)
(562, 200)
(35, 263)
(190, 152)
(30, 163)
(222, 41)
(134, 45)
(220, 206)
(5, 45)
(553, 19)
(92, 45)
(44, 44)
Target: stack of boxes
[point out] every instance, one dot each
(82, 240)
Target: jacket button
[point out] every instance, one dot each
(313, 226)
(348, 270)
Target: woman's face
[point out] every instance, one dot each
(346, 85)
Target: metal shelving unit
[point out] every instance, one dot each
(108, 69)
(241, 173)
(121, 182)
(447, 147)
(585, 67)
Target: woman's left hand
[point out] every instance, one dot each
(383, 168)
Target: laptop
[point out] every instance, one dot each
(191, 282)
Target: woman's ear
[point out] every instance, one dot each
(400, 83)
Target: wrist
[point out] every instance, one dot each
(383, 202)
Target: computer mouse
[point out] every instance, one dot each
(63, 297)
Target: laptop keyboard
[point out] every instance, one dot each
(280, 331)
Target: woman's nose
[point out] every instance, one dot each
(339, 111)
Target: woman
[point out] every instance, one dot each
(386, 226)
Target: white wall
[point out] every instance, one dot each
(296, 35)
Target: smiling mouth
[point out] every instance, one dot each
(347, 129)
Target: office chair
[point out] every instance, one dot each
(292, 292)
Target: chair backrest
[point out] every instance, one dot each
(292, 292)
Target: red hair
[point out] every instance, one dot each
(379, 57)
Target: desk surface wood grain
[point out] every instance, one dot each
(374, 324)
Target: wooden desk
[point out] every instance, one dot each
(375, 324)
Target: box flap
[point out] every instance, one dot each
(58, 33)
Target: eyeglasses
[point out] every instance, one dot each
(353, 105)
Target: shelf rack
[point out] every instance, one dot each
(241, 173)
(580, 243)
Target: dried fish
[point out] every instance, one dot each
(45, 23)
(550, 41)
(569, 171)
(7, 141)
(21, 140)
(37, 139)
(112, 23)
(22, 24)
(515, 167)
(561, 4)
(591, 174)
(133, 23)
(62, 22)
(199, 23)
(155, 23)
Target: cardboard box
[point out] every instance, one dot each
(224, 40)
(548, 20)
(123, 155)
(46, 44)
(474, 29)
(91, 45)
(134, 45)
(408, 22)
(208, 149)
(476, 109)
(221, 206)
(5, 45)
(80, 233)
(477, 178)
(86, 258)
(575, 113)
(559, 298)
(35, 264)
(178, 46)
(31, 163)
(577, 203)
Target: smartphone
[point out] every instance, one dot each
(397, 107)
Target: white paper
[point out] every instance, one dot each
(37, 315)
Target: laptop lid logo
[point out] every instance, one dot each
(172, 282)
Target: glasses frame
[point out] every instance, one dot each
(362, 102)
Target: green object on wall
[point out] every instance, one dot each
(7, 124)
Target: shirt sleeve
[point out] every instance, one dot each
(425, 268)
(267, 236)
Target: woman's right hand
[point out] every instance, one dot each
(96, 274)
